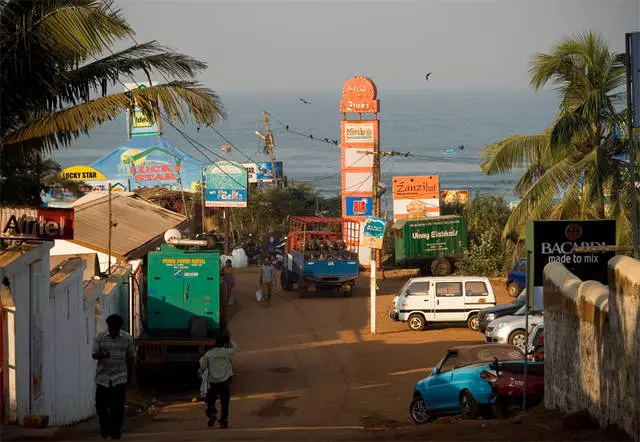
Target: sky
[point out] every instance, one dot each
(302, 45)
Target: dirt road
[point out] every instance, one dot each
(309, 369)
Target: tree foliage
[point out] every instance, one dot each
(571, 170)
(56, 65)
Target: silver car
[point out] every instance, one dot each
(511, 329)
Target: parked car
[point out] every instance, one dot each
(511, 329)
(490, 314)
(442, 299)
(509, 385)
(517, 278)
(459, 384)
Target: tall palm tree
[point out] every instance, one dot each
(56, 65)
(570, 169)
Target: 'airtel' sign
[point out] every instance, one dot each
(41, 223)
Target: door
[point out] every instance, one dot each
(449, 302)
(441, 393)
(418, 299)
(476, 296)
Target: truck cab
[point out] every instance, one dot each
(442, 299)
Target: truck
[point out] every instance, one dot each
(182, 312)
(431, 243)
(321, 253)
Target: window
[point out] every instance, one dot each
(449, 289)
(449, 363)
(476, 288)
(419, 288)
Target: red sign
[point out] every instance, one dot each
(161, 172)
(37, 223)
(359, 96)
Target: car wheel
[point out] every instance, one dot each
(418, 411)
(416, 322)
(473, 322)
(518, 339)
(468, 405)
(513, 289)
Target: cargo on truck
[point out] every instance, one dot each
(431, 244)
(182, 311)
(321, 253)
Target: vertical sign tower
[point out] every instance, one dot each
(359, 139)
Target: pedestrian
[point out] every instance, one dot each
(229, 282)
(115, 354)
(267, 276)
(216, 366)
(272, 242)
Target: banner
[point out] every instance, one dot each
(38, 223)
(416, 197)
(82, 173)
(262, 171)
(454, 196)
(373, 233)
(139, 125)
(225, 185)
(359, 133)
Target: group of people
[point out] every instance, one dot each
(115, 354)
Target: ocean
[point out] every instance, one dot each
(423, 123)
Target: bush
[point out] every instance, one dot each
(489, 253)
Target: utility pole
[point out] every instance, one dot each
(632, 148)
(375, 211)
(110, 228)
(269, 144)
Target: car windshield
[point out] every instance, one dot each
(489, 353)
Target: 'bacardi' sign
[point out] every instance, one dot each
(37, 223)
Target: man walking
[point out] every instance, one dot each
(267, 276)
(115, 354)
(217, 363)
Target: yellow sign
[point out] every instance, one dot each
(82, 173)
(139, 119)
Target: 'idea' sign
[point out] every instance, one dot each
(38, 223)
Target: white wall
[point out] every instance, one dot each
(63, 247)
(27, 293)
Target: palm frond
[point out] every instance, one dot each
(515, 152)
(177, 99)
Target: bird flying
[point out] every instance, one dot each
(303, 100)
(426, 77)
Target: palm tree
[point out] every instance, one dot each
(55, 75)
(570, 170)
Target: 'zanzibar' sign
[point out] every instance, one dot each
(41, 223)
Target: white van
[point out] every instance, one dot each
(442, 299)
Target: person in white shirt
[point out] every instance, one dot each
(267, 276)
(217, 363)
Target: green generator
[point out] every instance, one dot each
(182, 285)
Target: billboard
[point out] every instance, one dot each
(139, 125)
(225, 185)
(358, 206)
(555, 241)
(359, 133)
(373, 233)
(449, 196)
(37, 223)
(359, 95)
(416, 197)
(82, 173)
(257, 172)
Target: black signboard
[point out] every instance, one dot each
(556, 241)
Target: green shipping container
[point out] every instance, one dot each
(182, 284)
(423, 240)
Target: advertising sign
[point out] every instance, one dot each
(262, 171)
(555, 241)
(139, 125)
(373, 233)
(37, 223)
(416, 197)
(359, 96)
(82, 173)
(359, 133)
(225, 185)
(358, 206)
(454, 196)
(634, 38)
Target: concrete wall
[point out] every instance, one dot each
(592, 344)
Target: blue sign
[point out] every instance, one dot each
(139, 125)
(225, 185)
(373, 233)
(635, 76)
(358, 206)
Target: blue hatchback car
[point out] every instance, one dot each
(461, 383)
(517, 278)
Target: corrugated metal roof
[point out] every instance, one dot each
(92, 196)
(140, 225)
